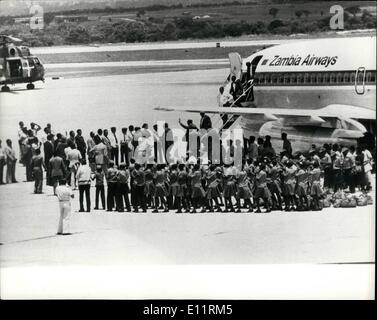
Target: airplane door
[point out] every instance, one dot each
(235, 64)
(360, 80)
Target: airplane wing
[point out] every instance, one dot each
(331, 111)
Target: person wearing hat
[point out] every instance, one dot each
(99, 176)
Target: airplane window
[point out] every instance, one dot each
(353, 76)
(287, 78)
(346, 77)
(367, 77)
(281, 78)
(326, 77)
(339, 78)
(274, 78)
(373, 77)
(319, 77)
(293, 78)
(313, 78)
(307, 78)
(261, 79)
(332, 77)
(300, 79)
(267, 78)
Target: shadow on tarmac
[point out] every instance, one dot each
(39, 238)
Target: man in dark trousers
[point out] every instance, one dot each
(286, 144)
(83, 177)
(112, 180)
(123, 178)
(114, 143)
(124, 147)
(38, 165)
(48, 148)
(57, 169)
(139, 185)
(80, 143)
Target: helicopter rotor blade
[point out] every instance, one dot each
(8, 39)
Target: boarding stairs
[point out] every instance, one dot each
(247, 103)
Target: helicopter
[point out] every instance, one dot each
(17, 64)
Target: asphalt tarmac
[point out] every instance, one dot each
(29, 225)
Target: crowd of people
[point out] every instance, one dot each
(286, 181)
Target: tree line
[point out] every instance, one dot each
(184, 27)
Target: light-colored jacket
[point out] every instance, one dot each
(100, 153)
(83, 175)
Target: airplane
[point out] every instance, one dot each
(317, 91)
(18, 65)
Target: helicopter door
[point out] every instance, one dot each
(15, 68)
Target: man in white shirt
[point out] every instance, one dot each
(90, 145)
(100, 154)
(124, 146)
(114, 145)
(64, 194)
(83, 177)
(74, 157)
(368, 161)
(10, 156)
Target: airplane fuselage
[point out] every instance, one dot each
(312, 75)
